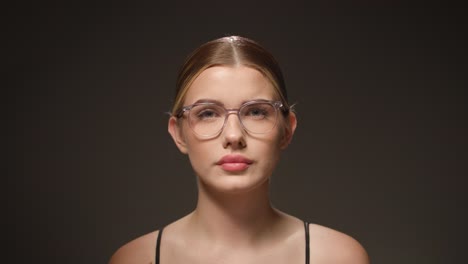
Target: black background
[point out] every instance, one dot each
(379, 153)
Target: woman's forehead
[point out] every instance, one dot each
(230, 85)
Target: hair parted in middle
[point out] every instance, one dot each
(229, 51)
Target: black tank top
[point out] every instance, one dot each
(306, 229)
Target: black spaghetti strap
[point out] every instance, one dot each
(158, 246)
(307, 249)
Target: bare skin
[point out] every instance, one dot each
(327, 246)
(234, 221)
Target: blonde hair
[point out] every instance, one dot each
(229, 51)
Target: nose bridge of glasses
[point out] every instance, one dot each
(233, 112)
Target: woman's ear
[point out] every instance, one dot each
(289, 129)
(175, 131)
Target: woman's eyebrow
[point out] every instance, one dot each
(256, 100)
(211, 101)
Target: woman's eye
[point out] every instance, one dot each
(207, 114)
(257, 112)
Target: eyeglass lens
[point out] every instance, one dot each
(208, 119)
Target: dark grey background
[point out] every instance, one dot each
(379, 153)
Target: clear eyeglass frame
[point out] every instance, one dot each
(277, 105)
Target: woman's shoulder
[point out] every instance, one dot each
(139, 250)
(332, 246)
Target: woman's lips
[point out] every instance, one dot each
(234, 163)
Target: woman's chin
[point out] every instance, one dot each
(234, 184)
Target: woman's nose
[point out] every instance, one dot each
(234, 133)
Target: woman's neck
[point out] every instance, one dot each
(234, 218)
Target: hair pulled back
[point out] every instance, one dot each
(229, 51)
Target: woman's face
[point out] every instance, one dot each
(234, 160)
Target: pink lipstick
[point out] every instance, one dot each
(234, 163)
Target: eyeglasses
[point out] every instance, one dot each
(208, 119)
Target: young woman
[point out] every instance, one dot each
(232, 118)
